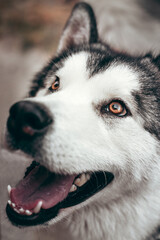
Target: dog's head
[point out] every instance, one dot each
(91, 123)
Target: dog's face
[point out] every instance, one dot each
(91, 124)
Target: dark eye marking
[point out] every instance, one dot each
(115, 107)
(55, 85)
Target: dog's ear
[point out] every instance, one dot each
(80, 28)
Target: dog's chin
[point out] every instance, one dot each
(42, 195)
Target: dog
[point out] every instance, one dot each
(91, 125)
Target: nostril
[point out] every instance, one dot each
(35, 121)
(28, 119)
(29, 131)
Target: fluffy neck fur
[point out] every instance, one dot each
(132, 217)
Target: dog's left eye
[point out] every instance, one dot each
(116, 107)
(55, 85)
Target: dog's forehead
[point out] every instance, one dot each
(117, 78)
(74, 68)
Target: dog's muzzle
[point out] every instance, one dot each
(41, 194)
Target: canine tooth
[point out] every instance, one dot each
(73, 188)
(9, 202)
(21, 210)
(81, 180)
(38, 207)
(13, 205)
(28, 213)
(9, 189)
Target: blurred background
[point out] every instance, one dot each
(29, 33)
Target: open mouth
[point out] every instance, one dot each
(40, 195)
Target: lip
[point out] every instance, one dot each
(98, 181)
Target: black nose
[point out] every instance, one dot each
(28, 119)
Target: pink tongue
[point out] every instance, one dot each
(40, 184)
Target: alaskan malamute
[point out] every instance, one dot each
(91, 125)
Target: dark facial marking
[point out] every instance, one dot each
(100, 58)
(148, 99)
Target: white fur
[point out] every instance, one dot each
(82, 140)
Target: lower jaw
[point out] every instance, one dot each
(73, 199)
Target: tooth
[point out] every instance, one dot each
(38, 207)
(27, 212)
(77, 181)
(9, 189)
(13, 205)
(88, 176)
(9, 202)
(16, 210)
(21, 210)
(81, 180)
(73, 188)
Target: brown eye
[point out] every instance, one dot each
(117, 108)
(55, 85)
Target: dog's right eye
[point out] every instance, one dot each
(55, 85)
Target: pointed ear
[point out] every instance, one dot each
(80, 28)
